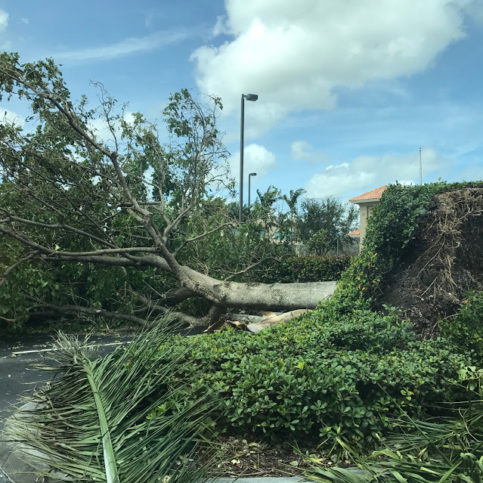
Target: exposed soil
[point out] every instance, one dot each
(443, 262)
(242, 458)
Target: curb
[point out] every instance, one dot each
(15, 469)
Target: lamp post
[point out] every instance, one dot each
(250, 186)
(248, 97)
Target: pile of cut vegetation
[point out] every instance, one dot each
(442, 262)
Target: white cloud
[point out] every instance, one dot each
(367, 172)
(257, 159)
(294, 54)
(132, 45)
(3, 20)
(303, 151)
(25, 20)
(220, 27)
(11, 117)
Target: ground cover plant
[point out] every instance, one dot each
(465, 329)
(343, 375)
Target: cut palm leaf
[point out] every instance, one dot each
(95, 421)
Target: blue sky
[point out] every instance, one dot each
(348, 90)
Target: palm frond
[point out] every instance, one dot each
(440, 450)
(339, 475)
(93, 422)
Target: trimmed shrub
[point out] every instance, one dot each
(316, 379)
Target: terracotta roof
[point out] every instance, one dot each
(374, 194)
(356, 232)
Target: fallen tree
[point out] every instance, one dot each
(123, 200)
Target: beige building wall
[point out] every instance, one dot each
(366, 202)
(364, 213)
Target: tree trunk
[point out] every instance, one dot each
(256, 296)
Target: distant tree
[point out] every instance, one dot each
(292, 200)
(334, 217)
(290, 221)
(264, 210)
(319, 244)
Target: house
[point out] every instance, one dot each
(366, 202)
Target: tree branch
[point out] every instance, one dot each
(15, 265)
(182, 317)
(96, 256)
(75, 309)
(54, 226)
(9, 321)
(174, 296)
(250, 267)
(203, 235)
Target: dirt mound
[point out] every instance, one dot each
(443, 262)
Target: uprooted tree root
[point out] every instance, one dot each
(443, 262)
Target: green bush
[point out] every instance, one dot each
(301, 269)
(465, 329)
(317, 379)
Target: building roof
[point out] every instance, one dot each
(355, 233)
(372, 195)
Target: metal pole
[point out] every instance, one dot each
(242, 134)
(420, 167)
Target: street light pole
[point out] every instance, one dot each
(250, 187)
(248, 97)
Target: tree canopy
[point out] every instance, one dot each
(325, 224)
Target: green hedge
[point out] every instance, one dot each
(301, 269)
(316, 378)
